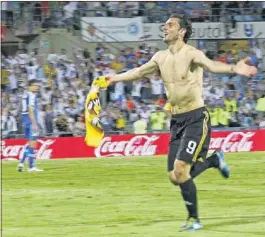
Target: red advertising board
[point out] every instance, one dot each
(3, 33)
(130, 145)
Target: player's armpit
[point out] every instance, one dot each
(139, 72)
(200, 58)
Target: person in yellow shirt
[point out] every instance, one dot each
(4, 77)
(213, 111)
(231, 103)
(120, 122)
(158, 120)
(224, 116)
(140, 126)
(116, 65)
(260, 107)
(50, 73)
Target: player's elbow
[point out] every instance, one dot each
(142, 72)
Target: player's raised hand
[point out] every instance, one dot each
(242, 68)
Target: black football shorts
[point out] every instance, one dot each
(189, 136)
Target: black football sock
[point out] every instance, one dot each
(200, 166)
(213, 161)
(189, 194)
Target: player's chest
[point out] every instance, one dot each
(175, 68)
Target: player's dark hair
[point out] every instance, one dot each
(32, 82)
(184, 23)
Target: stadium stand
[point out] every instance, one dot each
(132, 107)
(60, 14)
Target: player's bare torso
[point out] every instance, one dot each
(182, 79)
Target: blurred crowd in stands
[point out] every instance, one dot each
(137, 106)
(65, 14)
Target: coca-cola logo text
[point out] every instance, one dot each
(10, 151)
(43, 152)
(130, 145)
(15, 151)
(235, 141)
(140, 145)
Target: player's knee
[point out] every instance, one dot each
(181, 171)
(172, 178)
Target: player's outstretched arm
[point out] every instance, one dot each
(136, 73)
(241, 68)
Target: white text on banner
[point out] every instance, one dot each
(211, 30)
(111, 29)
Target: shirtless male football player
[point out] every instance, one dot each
(181, 67)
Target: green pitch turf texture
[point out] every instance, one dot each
(129, 197)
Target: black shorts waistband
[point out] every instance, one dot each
(187, 114)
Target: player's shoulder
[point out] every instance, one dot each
(159, 55)
(190, 48)
(162, 52)
(193, 51)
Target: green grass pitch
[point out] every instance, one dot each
(130, 197)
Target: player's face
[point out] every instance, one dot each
(172, 30)
(35, 87)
